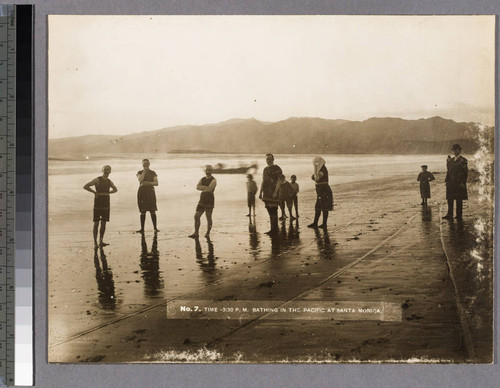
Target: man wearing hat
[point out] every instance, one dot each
(456, 182)
(425, 188)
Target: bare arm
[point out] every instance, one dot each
(147, 183)
(141, 176)
(211, 186)
(87, 186)
(200, 187)
(278, 173)
(113, 187)
(277, 190)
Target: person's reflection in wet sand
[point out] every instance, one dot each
(426, 214)
(150, 266)
(279, 241)
(283, 235)
(325, 247)
(207, 264)
(254, 239)
(460, 239)
(284, 240)
(293, 232)
(105, 282)
(275, 245)
(427, 220)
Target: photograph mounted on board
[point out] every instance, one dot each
(271, 189)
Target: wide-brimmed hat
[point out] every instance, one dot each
(424, 166)
(456, 147)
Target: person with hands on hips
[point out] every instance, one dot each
(103, 188)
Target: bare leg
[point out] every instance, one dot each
(282, 207)
(197, 224)
(101, 234)
(96, 227)
(290, 211)
(153, 219)
(325, 220)
(143, 220)
(209, 223)
(316, 219)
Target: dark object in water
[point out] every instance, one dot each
(219, 168)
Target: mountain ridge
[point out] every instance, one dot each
(302, 135)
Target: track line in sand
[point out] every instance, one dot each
(461, 311)
(165, 302)
(332, 276)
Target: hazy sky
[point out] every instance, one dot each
(122, 74)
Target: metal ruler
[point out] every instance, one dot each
(7, 192)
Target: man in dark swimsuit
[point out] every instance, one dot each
(146, 197)
(206, 204)
(269, 192)
(101, 193)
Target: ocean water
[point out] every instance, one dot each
(179, 174)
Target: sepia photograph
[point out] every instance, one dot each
(271, 189)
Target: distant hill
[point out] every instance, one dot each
(293, 135)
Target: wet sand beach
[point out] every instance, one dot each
(110, 304)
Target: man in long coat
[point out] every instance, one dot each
(269, 192)
(456, 182)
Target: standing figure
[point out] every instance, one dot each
(103, 188)
(146, 197)
(285, 194)
(425, 188)
(295, 198)
(206, 204)
(324, 196)
(269, 192)
(456, 182)
(251, 191)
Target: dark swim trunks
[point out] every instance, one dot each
(101, 200)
